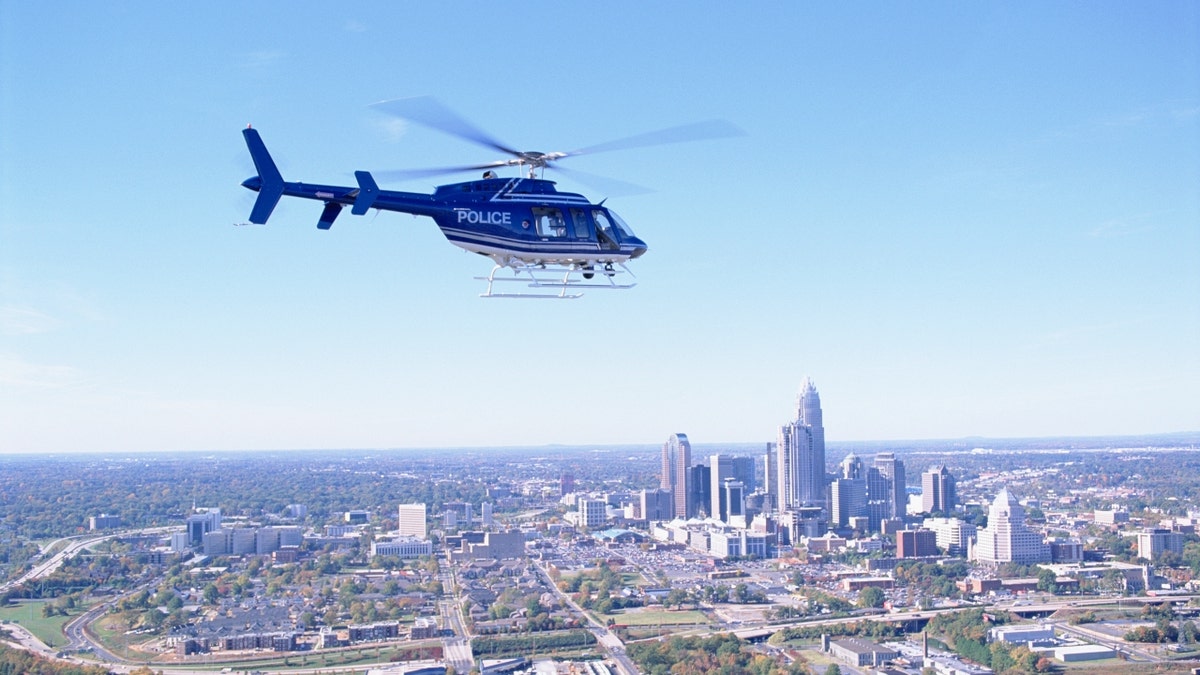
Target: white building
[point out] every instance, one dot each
(593, 513)
(412, 521)
(1006, 537)
(801, 453)
(953, 535)
(405, 547)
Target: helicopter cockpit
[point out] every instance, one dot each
(610, 230)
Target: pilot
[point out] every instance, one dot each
(489, 174)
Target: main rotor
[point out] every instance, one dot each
(428, 111)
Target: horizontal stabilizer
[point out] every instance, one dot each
(367, 192)
(270, 182)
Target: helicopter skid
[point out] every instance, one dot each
(564, 278)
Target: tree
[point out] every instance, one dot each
(871, 597)
(833, 669)
(1047, 581)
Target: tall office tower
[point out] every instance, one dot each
(733, 503)
(412, 521)
(801, 472)
(699, 489)
(770, 485)
(201, 522)
(655, 505)
(720, 468)
(879, 498)
(893, 470)
(676, 460)
(852, 467)
(937, 490)
(485, 514)
(743, 470)
(1006, 537)
(847, 499)
(566, 484)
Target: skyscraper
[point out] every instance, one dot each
(892, 469)
(676, 460)
(801, 473)
(1006, 537)
(411, 520)
(937, 490)
(720, 469)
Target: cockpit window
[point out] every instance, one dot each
(622, 227)
(607, 222)
(549, 222)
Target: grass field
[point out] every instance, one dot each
(661, 618)
(29, 615)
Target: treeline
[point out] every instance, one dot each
(876, 630)
(51, 497)
(724, 654)
(966, 634)
(21, 662)
(532, 643)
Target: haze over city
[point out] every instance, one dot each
(959, 220)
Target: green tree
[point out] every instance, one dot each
(871, 597)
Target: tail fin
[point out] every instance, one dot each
(269, 184)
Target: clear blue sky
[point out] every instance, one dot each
(958, 218)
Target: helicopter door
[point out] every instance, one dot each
(579, 225)
(605, 232)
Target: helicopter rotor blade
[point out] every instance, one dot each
(610, 186)
(697, 131)
(429, 112)
(399, 175)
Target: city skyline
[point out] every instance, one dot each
(981, 225)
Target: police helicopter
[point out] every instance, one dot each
(555, 243)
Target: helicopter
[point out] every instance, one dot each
(555, 243)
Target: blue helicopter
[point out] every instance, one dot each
(555, 243)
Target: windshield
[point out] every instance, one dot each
(622, 226)
(607, 221)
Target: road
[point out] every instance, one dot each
(607, 639)
(456, 648)
(55, 561)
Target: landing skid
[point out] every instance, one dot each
(564, 278)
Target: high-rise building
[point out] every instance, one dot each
(1006, 537)
(201, 522)
(916, 544)
(743, 470)
(801, 453)
(733, 503)
(720, 469)
(848, 499)
(655, 505)
(953, 535)
(412, 521)
(676, 461)
(1152, 542)
(896, 497)
(593, 513)
(770, 484)
(937, 490)
(699, 489)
